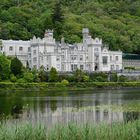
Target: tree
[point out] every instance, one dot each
(16, 66)
(43, 75)
(53, 75)
(57, 20)
(4, 67)
(78, 74)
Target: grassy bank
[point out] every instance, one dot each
(116, 131)
(70, 86)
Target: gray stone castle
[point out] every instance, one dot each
(89, 55)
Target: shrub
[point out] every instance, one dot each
(102, 77)
(21, 80)
(78, 75)
(85, 78)
(123, 78)
(70, 78)
(13, 78)
(28, 77)
(4, 67)
(113, 77)
(65, 83)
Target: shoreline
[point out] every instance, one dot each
(71, 87)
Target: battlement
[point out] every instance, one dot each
(48, 33)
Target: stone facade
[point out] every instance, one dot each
(89, 55)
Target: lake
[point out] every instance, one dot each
(50, 108)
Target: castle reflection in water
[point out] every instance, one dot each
(93, 108)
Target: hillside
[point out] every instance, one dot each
(116, 21)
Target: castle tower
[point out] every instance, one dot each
(48, 33)
(85, 33)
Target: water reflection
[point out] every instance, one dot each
(80, 107)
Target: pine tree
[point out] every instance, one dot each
(57, 20)
(53, 75)
(16, 66)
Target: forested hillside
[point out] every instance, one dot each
(116, 21)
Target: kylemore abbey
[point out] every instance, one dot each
(89, 55)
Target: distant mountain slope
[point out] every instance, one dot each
(116, 21)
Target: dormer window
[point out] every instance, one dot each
(11, 48)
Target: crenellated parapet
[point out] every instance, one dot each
(48, 33)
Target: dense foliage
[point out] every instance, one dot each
(117, 22)
(4, 68)
(11, 69)
(16, 66)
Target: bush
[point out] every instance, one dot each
(70, 78)
(13, 78)
(65, 83)
(101, 77)
(123, 78)
(78, 75)
(21, 80)
(113, 77)
(28, 77)
(85, 78)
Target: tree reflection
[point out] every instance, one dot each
(130, 116)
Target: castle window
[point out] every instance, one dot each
(81, 67)
(117, 67)
(0, 48)
(57, 58)
(34, 59)
(20, 48)
(74, 57)
(63, 57)
(105, 60)
(75, 67)
(72, 68)
(117, 58)
(34, 52)
(96, 58)
(10, 48)
(96, 49)
(112, 67)
(29, 49)
(81, 57)
(47, 67)
(110, 58)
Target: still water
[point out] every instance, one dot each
(92, 106)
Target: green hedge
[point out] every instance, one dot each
(72, 85)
